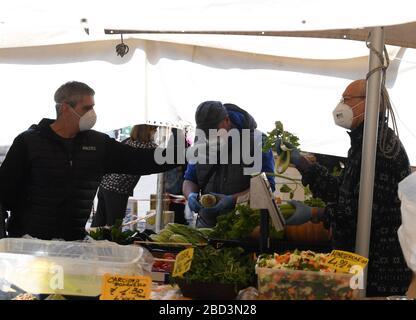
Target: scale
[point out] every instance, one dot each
(261, 197)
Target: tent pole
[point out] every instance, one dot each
(369, 149)
(164, 134)
(160, 201)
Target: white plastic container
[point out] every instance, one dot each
(69, 268)
(277, 284)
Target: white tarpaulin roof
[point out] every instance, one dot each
(28, 23)
(165, 76)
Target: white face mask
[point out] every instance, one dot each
(87, 121)
(344, 115)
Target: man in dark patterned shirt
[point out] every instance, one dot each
(387, 270)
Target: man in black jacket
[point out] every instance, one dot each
(50, 175)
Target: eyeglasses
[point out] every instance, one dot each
(346, 98)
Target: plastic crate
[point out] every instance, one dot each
(67, 268)
(278, 284)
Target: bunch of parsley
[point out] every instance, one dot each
(225, 266)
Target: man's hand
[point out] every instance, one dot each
(304, 214)
(296, 158)
(224, 203)
(193, 202)
(207, 217)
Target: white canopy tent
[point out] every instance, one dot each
(223, 54)
(165, 76)
(28, 23)
(164, 82)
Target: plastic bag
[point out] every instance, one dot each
(249, 293)
(166, 292)
(407, 231)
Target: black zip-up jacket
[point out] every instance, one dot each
(49, 184)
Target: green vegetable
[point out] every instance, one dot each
(285, 188)
(225, 265)
(157, 238)
(285, 136)
(287, 210)
(192, 235)
(282, 162)
(97, 234)
(208, 200)
(164, 235)
(114, 234)
(240, 224)
(315, 202)
(119, 236)
(288, 142)
(178, 238)
(179, 233)
(207, 232)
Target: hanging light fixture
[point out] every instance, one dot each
(122, 49)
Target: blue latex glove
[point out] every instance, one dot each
(193, 202)
(224, 203)
(303, 213)
(296, 158)
(207, 217)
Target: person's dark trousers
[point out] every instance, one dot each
(111, 207)
(179, 210)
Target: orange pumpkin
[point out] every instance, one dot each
(308, 232)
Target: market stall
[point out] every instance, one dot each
(154, 46)
(245, 256)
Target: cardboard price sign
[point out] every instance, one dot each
(343, 261)
(118, 287)
(183, 262)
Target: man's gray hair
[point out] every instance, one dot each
(71, 92)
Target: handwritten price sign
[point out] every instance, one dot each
(183, 262)
(343, 261)
(117, 287)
